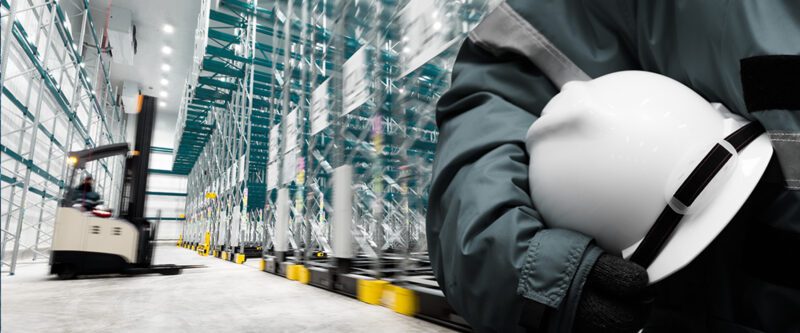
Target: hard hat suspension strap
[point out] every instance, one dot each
(701, 176)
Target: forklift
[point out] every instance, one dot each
(88, 240)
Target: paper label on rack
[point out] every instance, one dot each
(355, 90)
(426, 33)
(272, 175)
(319, 111)
(289, 167)
(274, 143)
(241, 168)
(291, 130)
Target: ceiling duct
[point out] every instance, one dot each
(122, 36)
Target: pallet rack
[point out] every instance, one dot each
(56, 97)
(314, 101)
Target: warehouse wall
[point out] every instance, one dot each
(165, 191)
(164, 132)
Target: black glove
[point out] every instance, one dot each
(614, 297)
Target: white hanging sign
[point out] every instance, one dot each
(291, 130)
(274, 143)
(319, 112)
(355, 90)
(272, 175)
(289, 167)
(426, 34)
(241, 168)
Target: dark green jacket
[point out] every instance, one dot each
(493, 255)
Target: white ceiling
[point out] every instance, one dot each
(149, 17)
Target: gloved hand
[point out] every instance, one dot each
(614, 298)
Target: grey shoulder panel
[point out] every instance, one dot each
(504, 30)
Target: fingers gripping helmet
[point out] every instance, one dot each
(644, 165)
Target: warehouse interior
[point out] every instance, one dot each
(288, 161)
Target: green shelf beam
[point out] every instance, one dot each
(162, 150)
(32, 189)
(165, 194)
(33, 167)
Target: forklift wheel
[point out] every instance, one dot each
(171, 271)
(67, 272)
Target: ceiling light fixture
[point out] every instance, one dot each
(166, 50)
(169, 29)
(164, 82)
(162, 104)
(165, 67)
(162, 94)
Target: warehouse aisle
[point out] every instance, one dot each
(224, 297)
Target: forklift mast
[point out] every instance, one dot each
(134, 186)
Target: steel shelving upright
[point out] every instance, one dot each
(51, 105)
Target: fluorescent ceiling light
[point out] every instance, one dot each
(165, 67)
(168, 29)
(162, 94)
(164, 82)
(166, 50)
(162, 104)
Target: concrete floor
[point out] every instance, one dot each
(224, 297)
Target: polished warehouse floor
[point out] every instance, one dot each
(223, 297)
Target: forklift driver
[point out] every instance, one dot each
(85, 194)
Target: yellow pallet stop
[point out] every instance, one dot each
(387, 297)
(201, 250)
(206, 242)
(214, 254)
(240, 258)
(224, 255)
(303, 274)
(405, 301)
(399, 299)
(291, 271)
(370, 291)
(263, 265)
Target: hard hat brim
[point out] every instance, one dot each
(696, 231)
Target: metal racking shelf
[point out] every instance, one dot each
(290, 93)
(50, 106)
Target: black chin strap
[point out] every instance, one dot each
(712, 163)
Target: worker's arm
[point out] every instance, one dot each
(493, 255)
(489, 249)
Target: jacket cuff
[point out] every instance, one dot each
(553, 257)
(563, 319)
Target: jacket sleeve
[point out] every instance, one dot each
(490, 251)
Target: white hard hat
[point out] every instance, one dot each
(644, 165)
